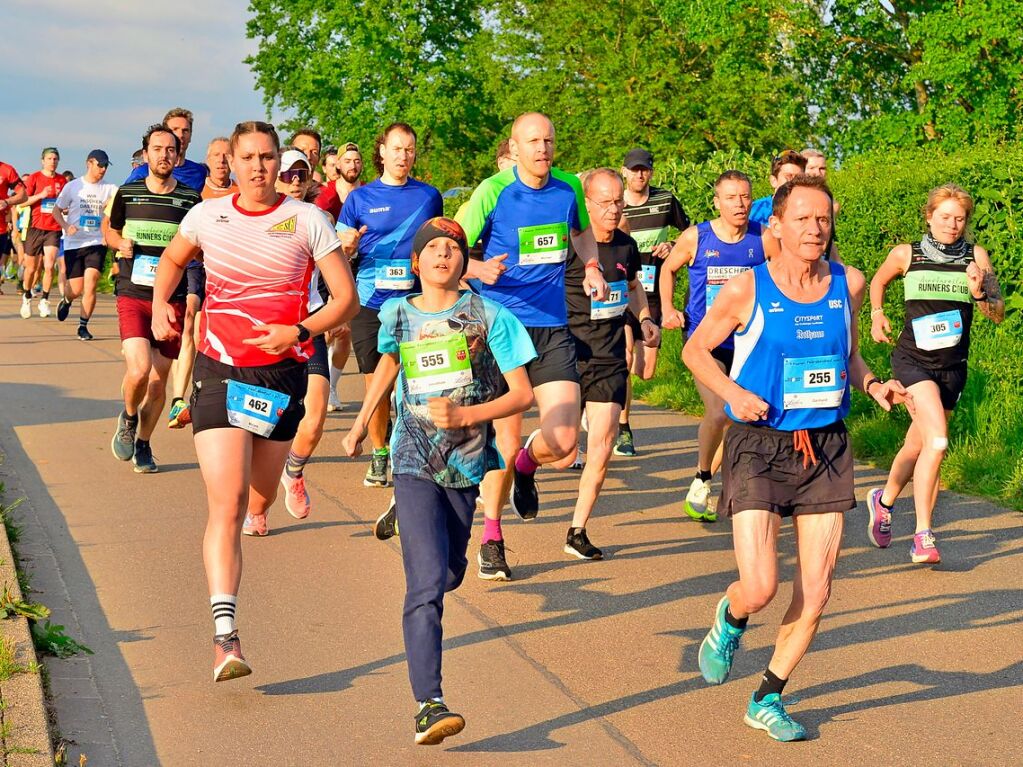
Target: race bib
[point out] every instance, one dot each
(255, 408)
(394, 275)
(46, 206)
(143, 270)
(811, 382)
(647, 239)
(617, 301)
(938, 331)
(436, 364)
(89, 223)
(647, 278)
(543, 244)
(718, 276)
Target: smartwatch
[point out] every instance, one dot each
(303, 333)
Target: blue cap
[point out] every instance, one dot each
(99, 156)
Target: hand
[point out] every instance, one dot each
(350, 240)
(890, 393)
(71, 229)
(672, 318)
(48, 191)
(275, 339)
(352, 443)
(594, 284)
(490, 271)
(446, 414)
(651, 333)
(126, 248)
(748, 407)
(165, 322)
(880, 328)
(661, 250)
(975, 276)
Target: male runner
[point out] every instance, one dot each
(381, 219)
(144, 218)
(79, 212)
(784, 167)
(309, 142)
(9, 181)
(714, 251)
(788, 454)
(218, 183)
(599, 331)
(651, 213)
(189, 173)
(525, 216)
(330, 172)
(43, 241)
(817, 165)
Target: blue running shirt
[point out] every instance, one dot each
(189, 173)
(761, 210)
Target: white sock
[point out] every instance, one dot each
(223, 606)
(335, 379)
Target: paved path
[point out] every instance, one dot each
(573, 663)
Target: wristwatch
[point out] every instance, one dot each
(303, 333)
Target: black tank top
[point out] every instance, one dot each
(939, 310)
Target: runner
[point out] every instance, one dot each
(12, 193)
(817, 165)
(461, 358)
(379, 222)
(330, 171)
(259, 248)
(714, 251)
(144, 217)
(943, 277)
(504, 155)
(79, 211)
(189, 173)
(784, 167)
(651, 213)
(788, 453)
(525, 215)
(43, 241)
(217, 184)
(308, 142)
(136, 159)
(599, 331)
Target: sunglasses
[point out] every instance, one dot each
(290, 176)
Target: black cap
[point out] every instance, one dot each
(99, 156)
(639, 158)
(440, 227)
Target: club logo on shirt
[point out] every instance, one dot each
(712, 254)
(384, 209)
(222, 219)
(750, 254)
(460, 355)
(834, 303)
(285, 227)
(775, 307)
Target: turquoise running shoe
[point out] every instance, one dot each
(719, 647)
(770, 715)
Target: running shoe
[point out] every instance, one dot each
(334, 405)
(386, 525)
(44, 307)
(180, 416)
(924, 550)
(255, 524)
(525, 500)
(26, 308)
(879, 528)
(493, 566)
(719, 646)
(84, 334)
(63, 309)
(228, 661)
(296, 497)
(696, 505)
(434, 723)
(376, 474)
(624, 444)
(578, 545)
(143, 460)
(123, 443)
(770, 715)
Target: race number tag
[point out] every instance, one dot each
(143, 270)
(647, 278)
(88, 223)
(46, 206)
(436, 364)
(255, 408)
(938, 331)
(813, 382)
(543, 244)
(617, 301)
(394, 275)
(718, 276)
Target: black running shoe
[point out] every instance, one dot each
(143, 459)
(387, 523)
(84, 334)
(493, 566)
(525, 500)
(63, 309)
(434, 723)
(578, 545)
(376, 474)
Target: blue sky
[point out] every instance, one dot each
(93, 74)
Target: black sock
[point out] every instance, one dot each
(46, 295)
(83, 322)
(28, 293)
(731, 620)
(889, 507)
(131, 420)
(768, 684)
(143, 443)
(625, 427)
(703, 475)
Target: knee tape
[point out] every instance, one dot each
(939, 443)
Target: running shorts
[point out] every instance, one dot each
(555, 360)
(318, 364)
(135, 320)
(76, 261)
(950, 381)
(365, 331)
(195, 274)
(603, 381)
(40, 238)
(6, 244)
(636, 326)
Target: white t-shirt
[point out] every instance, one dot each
(85, 204)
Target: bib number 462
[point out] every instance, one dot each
(257, 405)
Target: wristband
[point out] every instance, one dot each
(595, 265)
(647, 319)
(303, 333)
(873, 380)
(875, 311)
(981, 297)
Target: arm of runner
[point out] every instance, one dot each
(489, 271)
(681, 255)
(447, 415)
(585, 247)
(58, 216)
(730, 311)
(17, 198)
(169, 268)
(984, 287)
(895, 265)
(380, 384)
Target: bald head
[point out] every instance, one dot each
(532, 143)
(531, 120)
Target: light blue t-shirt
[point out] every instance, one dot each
(761, 210)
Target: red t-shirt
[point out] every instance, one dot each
(9, 180)
(42, 210)
(329, 200)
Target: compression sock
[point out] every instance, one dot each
(769, 684)
(703, 476)
(223, 606)
(491, 530)
(296, 464)
(731, 620)
(335, 379)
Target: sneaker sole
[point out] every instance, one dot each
(924, 560)
(757, 725)
(625, 453)
(231, 669)
(375, 483)
(578, 555)
(445, 728)
(145, 469)
(380, 531)
(694, 514)
(500, 575)
(521, 515)
(255, 533)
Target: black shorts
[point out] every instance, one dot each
(40, 238)
(209, 393)
(6, 244)
(637, 327)
(555, 360)
(950, 381)
(365, 331)
(763, 470)
(603, 381)
(318, 364)
(78, 260)
(195, 274)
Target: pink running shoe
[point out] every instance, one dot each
(296, 497)
(879, 529)
(228, 661)
(255, 524)
(924, 551)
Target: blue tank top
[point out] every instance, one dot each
(714, 263)
(795, 356)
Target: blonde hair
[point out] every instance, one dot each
(945, 192)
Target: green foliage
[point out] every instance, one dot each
(11, 605)
(52, 640)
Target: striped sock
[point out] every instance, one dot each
(296, 464)
(83, 322)
(223, 606)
